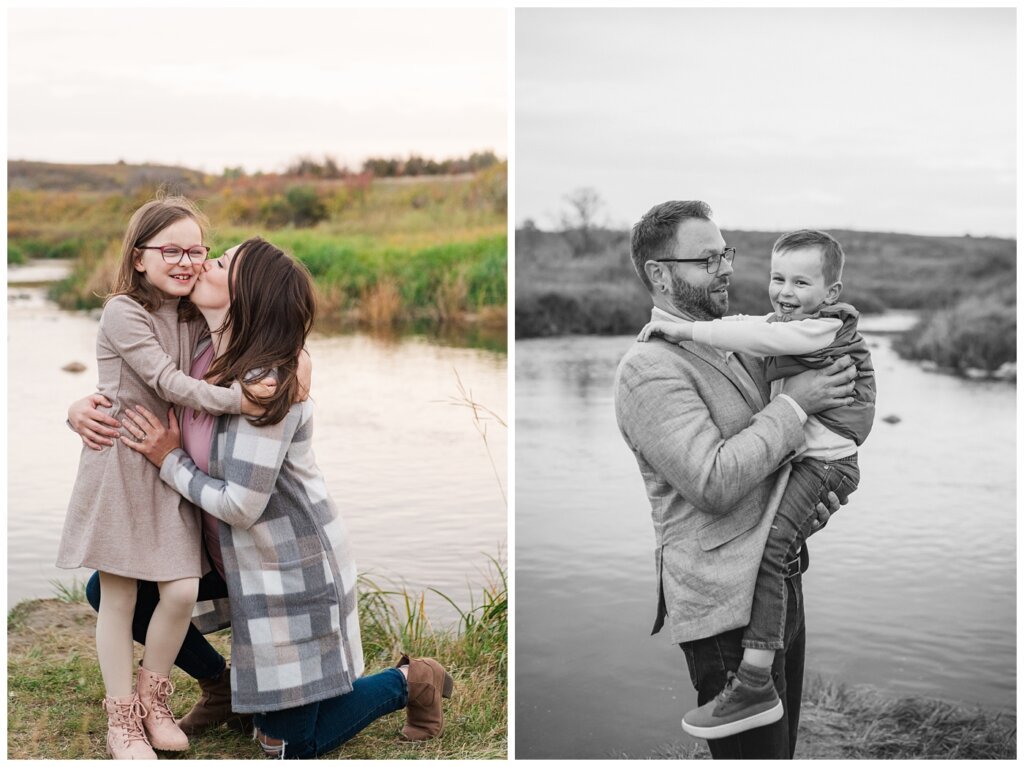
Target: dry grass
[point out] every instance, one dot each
(55, 688)
(380, 305)
(482, 417)
(841, 722)
(493, 317)
(450, 298)
(872, 726)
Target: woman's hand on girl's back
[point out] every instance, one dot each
(152, 439)
(97, 429)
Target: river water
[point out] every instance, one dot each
(912, 586)
(410, 472)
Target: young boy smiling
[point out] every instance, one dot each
(807, 329)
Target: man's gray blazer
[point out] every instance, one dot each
(710, 458)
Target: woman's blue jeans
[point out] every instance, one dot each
(318, 728)
(309, 730)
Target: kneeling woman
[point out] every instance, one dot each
(291, 582)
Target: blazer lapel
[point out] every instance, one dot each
(716, 360)
(755, 370)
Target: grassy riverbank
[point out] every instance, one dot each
(966, 282)
(55, 687)
(839, 722)
(386, 254)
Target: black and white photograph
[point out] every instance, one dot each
(765, 383)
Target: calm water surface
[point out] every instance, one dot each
(409, 471)
(912, 586)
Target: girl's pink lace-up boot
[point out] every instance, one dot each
(154, 690)
(125, 736)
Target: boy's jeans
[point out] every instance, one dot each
(809, 482)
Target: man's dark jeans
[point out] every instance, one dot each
(709, 659)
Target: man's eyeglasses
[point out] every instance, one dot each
(174, 254)
(713, 263)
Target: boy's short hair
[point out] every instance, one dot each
(655, 233)
(832, 256)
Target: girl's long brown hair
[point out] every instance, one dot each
(271, 313)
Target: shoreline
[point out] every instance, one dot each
(54, 689)
(1005, 372)
(967, 326)
(483, 327)
(839, 721)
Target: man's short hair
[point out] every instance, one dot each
(654, 235)
(832, 256)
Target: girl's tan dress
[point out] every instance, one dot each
(121, 518)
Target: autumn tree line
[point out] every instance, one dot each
(389, 167)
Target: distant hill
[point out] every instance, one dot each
(126, 178)
(562, 288)
(116, 177)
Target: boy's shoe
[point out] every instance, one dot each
(737, 708)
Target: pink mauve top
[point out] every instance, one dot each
(196, 439)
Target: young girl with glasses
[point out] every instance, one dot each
(121, 519)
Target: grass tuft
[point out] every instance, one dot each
(921, 728)
(73, 592)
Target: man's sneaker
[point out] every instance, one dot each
(735, 709)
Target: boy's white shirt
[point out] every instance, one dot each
(752, 334)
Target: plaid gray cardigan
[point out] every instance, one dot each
(293, 606)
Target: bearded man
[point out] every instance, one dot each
(714, 452)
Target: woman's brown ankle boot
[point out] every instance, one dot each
(428, 683)
(214, 707)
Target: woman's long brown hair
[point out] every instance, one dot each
(271, 313)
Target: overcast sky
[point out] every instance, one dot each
(210, 88)
(874, 119)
